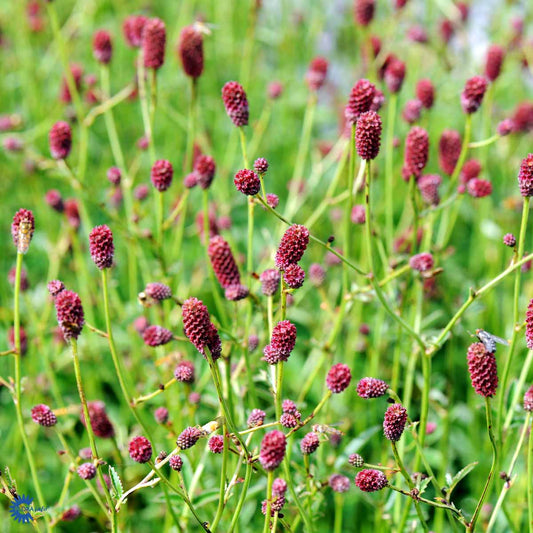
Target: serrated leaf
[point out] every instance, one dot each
(454, 481)
(10, 481)
(423, 485)
(116, 483)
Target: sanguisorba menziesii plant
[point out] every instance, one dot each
(267, 253)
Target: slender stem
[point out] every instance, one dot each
(490, 429)
(348, 212)
(485, 142)
(389, 182)
(143, 98)
(530, 481)
(221, 499)
(90, 433)
(412, 195)
(191, 129)
(337, 526)
(270, 480)
(507, 485)
(242, 498)
(18, 387)
(302, 512)
(524, 372)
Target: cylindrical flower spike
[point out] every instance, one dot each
(339, 483)
(270, 279)
(416, 152)
(101, 246)
(292, 246)
(364, 11)
(154, 38)
(394, 422)
(493, 65)
(483, 370)
(204, 168)
(368, 135)
(188, 437)
(449, 150)
(191, 51)
(247, 182)
(102, 47)
(371, 480)
(294, 276)
(236, 103)
(283, 339)
(100, 423)
(316, 74)
(158, 291)
(161, 174)
(69, 314)
(133, 28)
(223, 262)
(60, 140)
(394, 75)
(272, 450)
(425, 92)
(525, 176)
(156, 336)
(529, 325)
(473, 93)
(356, 460)
(184, 372)
(338, 378)
(428, 185)
(371, 388)
(360, 101)
(309, 443)
(140, 449)
(43, 415)
(22, 229)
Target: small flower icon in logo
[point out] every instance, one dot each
(20, 509)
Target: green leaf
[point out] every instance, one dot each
(454, 481)
(116, 483)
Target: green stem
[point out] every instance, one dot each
(389, 182)
(90, 433)
(530, 481)
(270, 480)
(472, 524)
(518, 389)
(486, 142)
(191, 129)
(223, 470)
(242, 498)
(337, 527)
(348, 211)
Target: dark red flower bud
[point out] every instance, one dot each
(283, 339)
(338, 378)
(133, 29)
(368, 135)
(161, 174)
(114, 175)
(184, 372)
(237, 292)
(154, 38)
(523, 117)
(371, 388)
(470, 170)
(483, 370)
(317, 274)
(69, 314)
(276, 505)
(528, 399)
(446, 30)
(529, 325)
(364, 11)
(292, 246)
(493, 65)
(416, 152)
(473, 93)
(158, 291)
(102, 47)
(411, 111)
(288, 406)
(394, 75)
(505, 127)
(55, 287)
(60, 140)
(199, 329)
(294, 276)
(71, 514)
(141, 192)
(236, 103)
(161, 415)
(191, 51)
(270, 281)
(176, 463)
(77, 73)
(309, 443)
(279, 487)
(339, 483)
(22, 229)
(394, 422)
(140, 449)
(43, 415)
(223, 262)
(509, 240)
(275, 89)
(316, 74)
(54, 200)
(100, 423)
(356, 460)
(417, 34)
(425, 92)
(188, 437)
(288, 420)
(358, 214)
(428, 185)
(272, 200)
(190, 180)
(449, 150)
(272, 450)
(156, 336)
(525, 176)
(371, 480)
(360, 101)
(247, 182)
(261, 165)
(479, 188)
(86, 471)
(204, 168)
(256, 418)
(216, 444)
(101, 246)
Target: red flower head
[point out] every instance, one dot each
(154, 38)
(236, 103)
(114, 175)
(364, 11)
(338, 378)
(270, 279)
(294, 276)
(525, 176)
(478, 188)
(204, 168)
(188, 437)
(523, 117)
(102, 47)
(394, 75)
(356, 460)
(101, 246)
(43, 415)
(158, 291)
(449, 150)
(156, 336)
(86, 471)
(428, 185)
(54, 199)
(421, 262)
(425, 92)
(528, 399)
(100, 423)
(309, 443)
(371, 388)
(223, 262)
(216, 444)
(473, 93)
(411, 111)
(247, 182)
(272, 450)
(161, 175)
(360, 101)
(77, 73)
(529, 325)
(69, 314)
(60, 140)
(368, 135)
(260, 165)
(161, 415)
(493, 65)
(133, 29)
(483, 370)
(292, 246)
(191, 51)
(317, 274)
(509, 240)
(176, 463)
(140, 449)
(339, 483)
(184, 372)
(470, 170)
(394, 422)
(316, 74)
(256, 418)
(416, 152)
(371, 480)
(198, 327)
(22, 229)
(283, 339)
